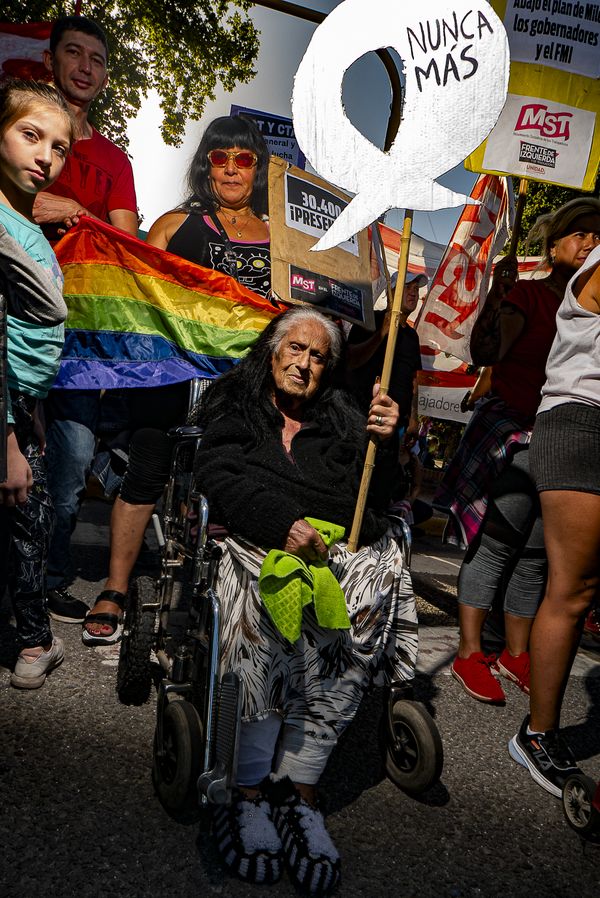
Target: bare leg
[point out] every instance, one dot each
(517, 631)
(127, 527)
(572, 534)
(470, 622)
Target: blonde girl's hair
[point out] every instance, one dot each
(18, 96)
(551, 227)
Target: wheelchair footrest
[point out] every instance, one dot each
(216, 783)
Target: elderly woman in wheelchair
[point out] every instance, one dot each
(309, 625)
(301, 626)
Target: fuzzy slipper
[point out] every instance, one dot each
(111, 620)
(247, 839)
(311, 857)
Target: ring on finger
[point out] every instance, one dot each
(378, 420)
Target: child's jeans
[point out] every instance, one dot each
(25, 536)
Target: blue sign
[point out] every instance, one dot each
(278, 133)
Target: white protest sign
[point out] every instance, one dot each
(563, 35)
(455, 61)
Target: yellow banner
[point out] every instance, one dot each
(548, 130)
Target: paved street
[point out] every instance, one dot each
(78, 816)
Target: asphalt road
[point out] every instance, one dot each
(78, 815)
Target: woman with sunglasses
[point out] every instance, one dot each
(221, 225)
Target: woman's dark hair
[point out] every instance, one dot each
(76, 23)
(223, 133)
(248, 386)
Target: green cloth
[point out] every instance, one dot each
(286, 584)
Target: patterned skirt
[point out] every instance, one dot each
(317, 683)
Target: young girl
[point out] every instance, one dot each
(36, 133)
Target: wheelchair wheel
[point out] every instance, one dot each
(577, 798)
(134, 673)
(177, 763)
(414, 754)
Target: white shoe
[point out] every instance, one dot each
(31, 668)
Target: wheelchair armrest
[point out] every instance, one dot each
(186, 432)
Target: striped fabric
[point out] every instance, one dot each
(140, 316)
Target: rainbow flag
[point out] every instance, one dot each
(140, 316)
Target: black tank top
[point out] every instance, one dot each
(198, 241)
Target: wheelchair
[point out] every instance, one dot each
(581, 805)
(171, 639)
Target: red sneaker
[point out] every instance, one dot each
(475, 676)
(515, 668)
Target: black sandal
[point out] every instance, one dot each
(247, 839)
(104, 617)
(311, 857)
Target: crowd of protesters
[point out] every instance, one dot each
(517, 510)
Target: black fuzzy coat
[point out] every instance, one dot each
(258, 490)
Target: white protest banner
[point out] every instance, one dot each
(547, 130)
(22, 48)
(278, 134)
(444, 402)
(452, 305)
(455, 61)
(563, 35)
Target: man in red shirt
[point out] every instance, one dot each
(97, 180)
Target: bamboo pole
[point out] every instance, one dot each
(388, 362)
(516, 233)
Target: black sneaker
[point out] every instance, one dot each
(547, 756)
(65, 607)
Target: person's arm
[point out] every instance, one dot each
(499, 323)
(124, 219)
(17, 486)
(483, 385)
(305, 542)
(48, 208)
(164, 227)
(587, 290)
(384, 415)
(51, 209)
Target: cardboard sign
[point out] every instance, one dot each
(455, 61)
(302, 207)
(547, 130)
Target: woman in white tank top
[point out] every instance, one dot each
(565, 463)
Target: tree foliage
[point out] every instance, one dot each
(543, 198)
(181, 49)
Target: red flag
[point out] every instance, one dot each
(452, 306)
(21, 49)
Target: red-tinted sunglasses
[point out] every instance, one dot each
(242, 159)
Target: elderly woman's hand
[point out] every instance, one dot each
(384, 415)
(304, 541)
